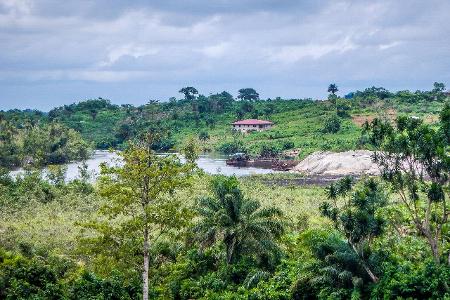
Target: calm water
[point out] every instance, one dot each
(212, 164)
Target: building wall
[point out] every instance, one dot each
(246, 128)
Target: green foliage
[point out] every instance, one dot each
(90, 286)
(332, 88)
(190, 151)
(232, 147)
(96, 120)
(47, 277)
(343, 108)
(377, 92)
(40, 145)
(240, 224)
(189, 92)
(248, 94)
(300, 121)
(139, 211)
(408, 280)
(329, 268)
(445, 122)
(332, 124)
(356, 219)
(269, 151)
(203, 136)
(239, 245)
(22, 278)
(415, 160)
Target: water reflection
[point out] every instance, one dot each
(210, 163)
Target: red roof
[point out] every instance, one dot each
(252, 122)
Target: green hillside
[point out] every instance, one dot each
(299, 123)
(305, 125)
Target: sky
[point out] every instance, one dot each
(59, 52)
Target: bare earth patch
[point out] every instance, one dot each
(356, 163)
(359, 120)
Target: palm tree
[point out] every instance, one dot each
(241, 224)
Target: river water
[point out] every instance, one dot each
(210, 163)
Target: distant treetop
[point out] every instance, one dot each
(248, 94)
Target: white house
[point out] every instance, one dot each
(251, 125)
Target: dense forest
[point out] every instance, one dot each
(156, 228)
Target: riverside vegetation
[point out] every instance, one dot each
(155, 228)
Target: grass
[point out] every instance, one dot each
(53, 226)
(302, 126)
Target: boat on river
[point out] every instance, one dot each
(242, 160)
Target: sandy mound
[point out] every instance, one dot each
(343, 163)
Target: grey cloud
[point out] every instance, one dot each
(148, 49)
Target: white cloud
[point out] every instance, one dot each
(292, 54)
(116, 52)
(388, 46)
(217, 50)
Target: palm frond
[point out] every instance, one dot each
(254, 278)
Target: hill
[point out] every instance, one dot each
(304, 124)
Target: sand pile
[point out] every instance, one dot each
(338, 164)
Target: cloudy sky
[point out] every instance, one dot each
(55, 52)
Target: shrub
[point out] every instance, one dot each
(269, 151)
(288, 145)
(407, 280)
(22, 278)
(232, 147)
(332, 124)
(203, 136)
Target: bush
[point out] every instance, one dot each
(232, 147)
(89, 286)
(406, 280)
(22, 278)
(203, 136)
(332, 124)
(343, 108)
(164, 144)
(288, 145)
(269, 151)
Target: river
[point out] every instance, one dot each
(210, 163)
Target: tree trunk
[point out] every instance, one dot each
(364, 265)
(146, 266)
(230, 244)
(369, 272)
(433, 243)
(435, 249)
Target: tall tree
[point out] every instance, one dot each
(354, 215)
(189, 92)
(414, 159)
(190, 95)
(248, 94)
(220, 102)
(438, 91)
(140, 201)
(333, 88)
(241, 224)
